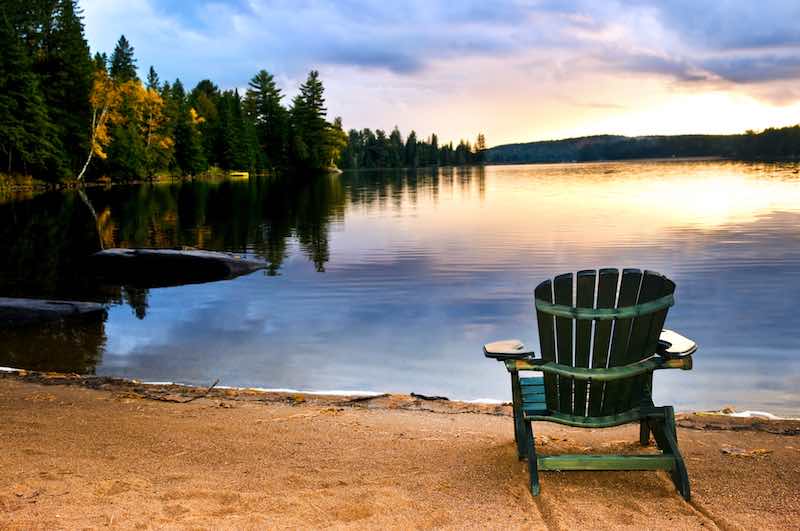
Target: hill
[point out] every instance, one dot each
(615, 147)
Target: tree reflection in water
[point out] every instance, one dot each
(45, 240)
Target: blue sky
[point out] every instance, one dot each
(517, 70)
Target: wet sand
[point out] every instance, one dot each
(95, 453)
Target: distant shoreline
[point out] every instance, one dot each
(709, 158)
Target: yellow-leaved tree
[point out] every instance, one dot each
(159, 145)
(104, 101)
(137, 109)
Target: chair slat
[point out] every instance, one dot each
(547, 341)
(584, 298)
(613, 401)
(562, 292)
(652, 288)
(532, 381)
(606, 298)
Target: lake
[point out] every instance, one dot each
(392, 281)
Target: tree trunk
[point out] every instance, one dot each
(94, 137)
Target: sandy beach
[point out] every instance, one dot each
(85, 453)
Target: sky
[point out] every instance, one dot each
(515, 70)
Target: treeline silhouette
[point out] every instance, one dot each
(67, 114)
(366, 149)
(770, 144)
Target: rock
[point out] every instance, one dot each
(20, 312)
(154, 268)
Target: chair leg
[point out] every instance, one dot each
(533, 465)
(519, 436)
(666, 436)
(644, 432)
(519, 428)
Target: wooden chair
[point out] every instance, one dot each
(601, 338)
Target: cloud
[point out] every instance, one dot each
(688, 40)
(731, 24)
(389, 59)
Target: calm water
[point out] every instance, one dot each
(392, 281)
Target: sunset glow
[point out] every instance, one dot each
(518, 71)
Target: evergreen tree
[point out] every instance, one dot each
(189, 153)
(28, 139)
(100, 61)
(256, 155)
(434, 151)
(411, 154)
(66, 74)
(269, 116)
(152, 79)
(229, 135)
(396, 149)
(204, 99)
(123, 64)
(309, 128)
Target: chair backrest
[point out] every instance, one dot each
(600, 319)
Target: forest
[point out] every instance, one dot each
(67, 114)
(365, 149)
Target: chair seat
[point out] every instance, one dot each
(533, 397)
(534, 407)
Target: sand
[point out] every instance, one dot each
(93, 453)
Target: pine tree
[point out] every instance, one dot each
(396, 149)
(28, 139)
(152, 79)
(189, 153)
(270, 118)
(255, 154)
(123, 63)
(100, 61)
(234, 152)
(309, 128)
(205, 98)
(411, 153)
(66, 73)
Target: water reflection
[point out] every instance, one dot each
(391, 281)
(64, 346)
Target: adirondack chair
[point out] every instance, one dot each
(601, 339)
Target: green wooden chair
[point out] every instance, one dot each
(601, 338)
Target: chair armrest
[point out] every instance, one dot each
(510, 349)
(673, 345)
(600, 375)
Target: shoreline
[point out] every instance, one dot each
(727, 418)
